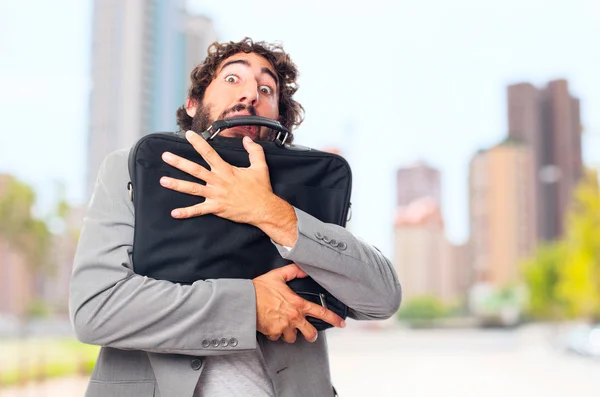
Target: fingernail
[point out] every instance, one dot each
(343, 324)
(247, 139)
(167, 156)
(175, 214)
(164, 181)
(189, 133)
(316, 337)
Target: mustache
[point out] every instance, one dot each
(238, 108)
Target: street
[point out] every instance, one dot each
(460, 363)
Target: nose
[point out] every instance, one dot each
(249, 94)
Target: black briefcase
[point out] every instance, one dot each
(209, 247)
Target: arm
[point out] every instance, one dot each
(354, 272)
(359, 275)
(112, 306)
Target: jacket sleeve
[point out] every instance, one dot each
(353, 271)
(110, 305)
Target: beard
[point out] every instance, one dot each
(202, 120)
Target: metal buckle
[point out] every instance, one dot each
(215, 134)
(206, 133)
(323, 299)
(282, 142)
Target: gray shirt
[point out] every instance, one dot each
(240, 374)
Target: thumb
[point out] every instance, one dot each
(290, 272)
(256, 153)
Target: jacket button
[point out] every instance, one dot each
(333, 242)
(326, 239)
(196, 364)
(224, 342)
(205, 344)
(215, 343)
(233, 342)
(342, 246)
(319, 236)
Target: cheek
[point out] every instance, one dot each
(271, 108)
(218, 103)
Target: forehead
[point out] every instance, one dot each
(256, 61)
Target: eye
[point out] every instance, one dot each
(232, 78)
(265, 89)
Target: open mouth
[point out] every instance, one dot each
(246, 130)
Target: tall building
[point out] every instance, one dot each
(181, 44)
(417, 181)
(455, 273)
(548, 120)
(418, 248)
(502, 211)
(142, 54)
(426, 262)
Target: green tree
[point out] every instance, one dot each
(541, 275)
(23, 232)
(422, 308)
(579, 278)
(563, 278)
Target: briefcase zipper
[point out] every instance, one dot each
(130, 189)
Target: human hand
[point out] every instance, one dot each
(234, 193)
(281, 313)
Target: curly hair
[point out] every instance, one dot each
(291, 113)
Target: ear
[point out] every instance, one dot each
(190, 107)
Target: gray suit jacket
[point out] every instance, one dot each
(154, 333)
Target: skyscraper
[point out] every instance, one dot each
(181, 44)
(142, 55)
(501, 211)
(548, 120)
(426, 262)
(417, 181)
(419, 248)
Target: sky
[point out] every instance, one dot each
(388, 82)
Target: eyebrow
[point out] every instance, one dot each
(244, 62)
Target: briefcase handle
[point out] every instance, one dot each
(220, 125)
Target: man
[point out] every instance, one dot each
(221, 337)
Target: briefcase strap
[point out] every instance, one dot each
(215, 128)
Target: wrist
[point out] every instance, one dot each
(278, 220)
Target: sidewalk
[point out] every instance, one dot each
(61, 387)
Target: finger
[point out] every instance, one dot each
(205, 150)
(193, 211)
(289, 335)
(316, 311)
(187, 166)
(273, 338)
(255, 152)
(308, 330)
(187, 187)
(290, 272)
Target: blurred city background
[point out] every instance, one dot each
(473, 131)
